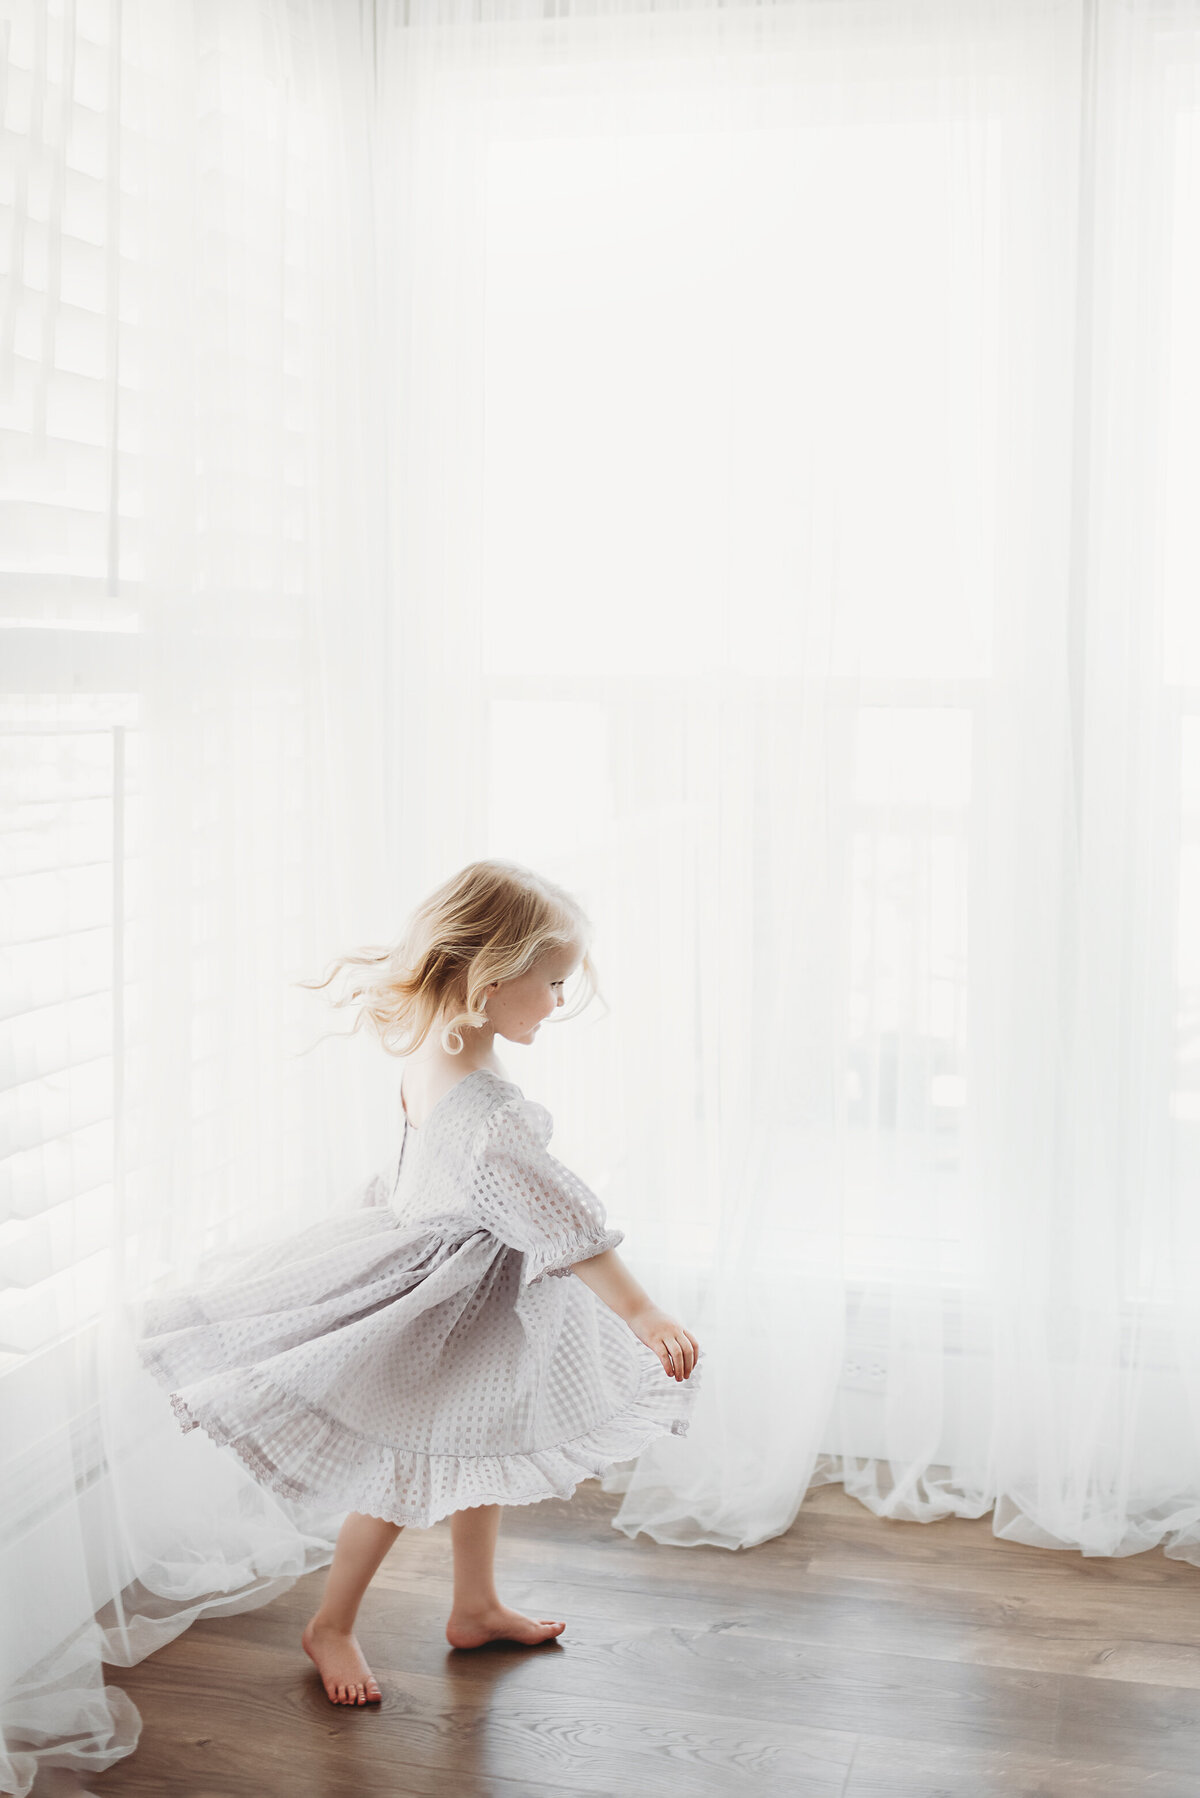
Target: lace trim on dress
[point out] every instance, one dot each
(301, 1452)
(559, 1259)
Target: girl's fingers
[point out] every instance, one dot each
(679, 1353)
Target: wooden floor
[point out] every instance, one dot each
(850, 1658)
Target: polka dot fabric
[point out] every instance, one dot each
(427, 1350)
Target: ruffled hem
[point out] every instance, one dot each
(558, 1259)
(286, 1444)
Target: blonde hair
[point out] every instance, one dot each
(491, 921)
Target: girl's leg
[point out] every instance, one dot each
(329, 1639)
(478, 1615)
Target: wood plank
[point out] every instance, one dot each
(471, 1722)
(710, 1671)
(897, 1769)
(1107, 1632)
(1156, 1727)
(853, 1657)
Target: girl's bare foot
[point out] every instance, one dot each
(471, 1629)
(339, 1660)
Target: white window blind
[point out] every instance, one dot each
(166, 197)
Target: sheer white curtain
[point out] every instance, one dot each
(195, 727)
(794, 523)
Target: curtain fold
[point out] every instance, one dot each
(195, 723)
(797, 414)
(740, 460)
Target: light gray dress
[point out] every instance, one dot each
(418, 1355)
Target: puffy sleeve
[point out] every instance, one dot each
(530, 1201)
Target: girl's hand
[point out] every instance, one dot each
(675, 1347)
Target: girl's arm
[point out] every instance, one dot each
(611, 1281)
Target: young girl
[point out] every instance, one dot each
(418, 1358)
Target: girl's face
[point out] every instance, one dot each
(517, 1007)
